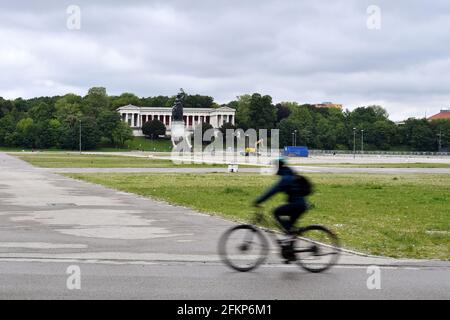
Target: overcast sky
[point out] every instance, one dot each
(304, 51)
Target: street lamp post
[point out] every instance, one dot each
(80, 136)
(440, 140)
(362, 141)
(292, 138)
(295, 138)
(354, 143)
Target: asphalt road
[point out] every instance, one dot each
(128, 246)
(212, 281)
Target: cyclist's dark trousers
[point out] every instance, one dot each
(288, 214)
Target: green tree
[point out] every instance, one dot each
(157, 102)
(42, 112)
(107, 122)
(54, 132)
(21, 105)
(287, 127)
(123, 100)
(199, 101)
(90, 134)
(226, 126)
(95, 102)
(324, 133)
(283, 110)
(68, 106)
(26, 131)
(300, 119)
(419, 135)
(7, 130)
(47, 134)
(5, 107)
(441, 129)
(242, 106)
(121, 133)
(154, 129)
(384, 134)
(261, 112)
(303, 117)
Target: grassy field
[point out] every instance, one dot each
(397, 216)
(141, 143)
(137, 143)
(381, 165)
(74, 160)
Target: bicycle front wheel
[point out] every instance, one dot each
(317, 248)
(243, 247)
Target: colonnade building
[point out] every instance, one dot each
(136, 116)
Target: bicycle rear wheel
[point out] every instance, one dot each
(243, 247)
(317, 248)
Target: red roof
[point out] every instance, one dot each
(444, 114)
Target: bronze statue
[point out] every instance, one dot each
(177, 109)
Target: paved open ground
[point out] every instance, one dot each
(262, 164)
(305, 169)
(312, 159)
(132, 247)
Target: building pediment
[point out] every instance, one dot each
(226, 109)
(129, 107)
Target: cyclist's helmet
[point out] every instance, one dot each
(280, 163)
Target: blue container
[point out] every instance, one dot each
(300, 151)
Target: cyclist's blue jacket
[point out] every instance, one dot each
(286, 184)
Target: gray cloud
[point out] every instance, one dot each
(307, 51)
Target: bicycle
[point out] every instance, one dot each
(308, 245)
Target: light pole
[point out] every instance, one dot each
(292, 138)
(440, 140)
(362, 141)
(295, 138)
(354, 143)
(80, 136)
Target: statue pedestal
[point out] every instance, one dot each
(177, 130)
(180, 139)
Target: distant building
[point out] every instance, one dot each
(444, 114)
(136, 116)
(329, 105)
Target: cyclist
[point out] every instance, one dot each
(289, 213)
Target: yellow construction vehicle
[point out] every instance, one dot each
(249, 151)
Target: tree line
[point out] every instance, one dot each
(54, 122)
(335, 129)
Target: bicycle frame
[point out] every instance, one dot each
(255, 229)
(260, 218)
